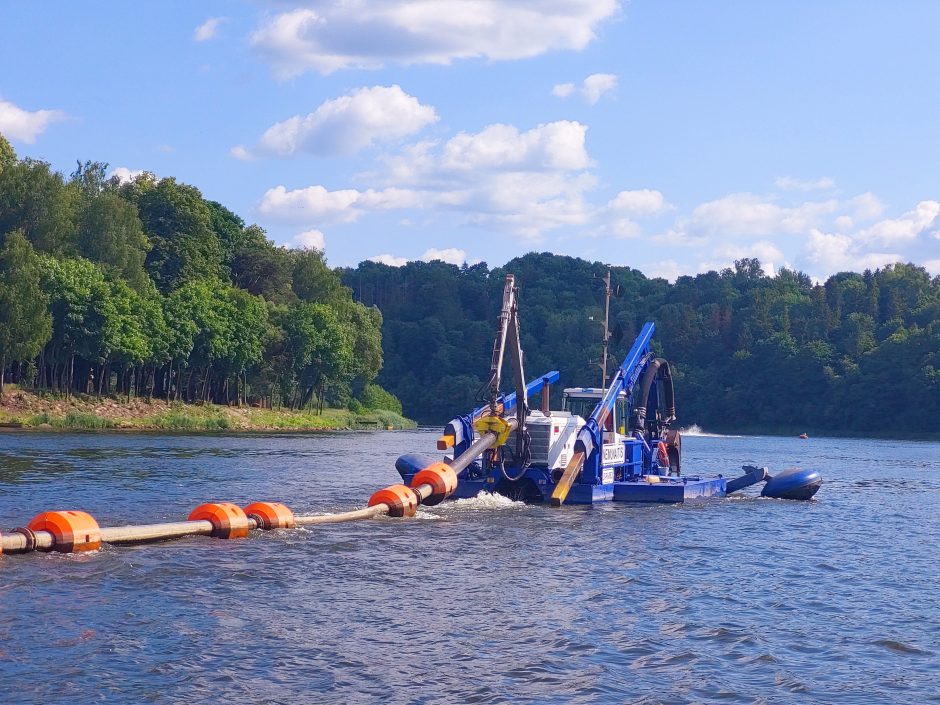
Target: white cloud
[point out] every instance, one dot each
(124, 174)
(903, 229)
(669, 270)
(642, 202)
(240, 152)
(787, 183)
(347, 124)
(555, 145)
(525, 182)
(834, 252)
(843, 223)
(591, 89)
(371, 33)
(390, 260)
(933, 266)
(829, 230)
(770, 256)
(25, 125)
(747, 214)
(678, 236)
(596, 85)
(625, 228)
(316, 203)
(866, 206)
(451, 255)
(208, 29)
(310, 240)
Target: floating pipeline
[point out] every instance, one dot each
(74, 531)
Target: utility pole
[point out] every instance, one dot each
(606, 341)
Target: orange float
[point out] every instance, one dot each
(663, 453)
(402, 501)
(441, 477)
(73, 531)
(270, 515)
(228, 520)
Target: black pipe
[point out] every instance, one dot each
(660, 367)
(752, 475)
(669, 393)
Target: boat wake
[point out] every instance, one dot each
(696, 431)
(483, 502)
(487, 501)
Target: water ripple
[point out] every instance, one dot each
(481, 601)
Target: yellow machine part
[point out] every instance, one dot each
(493, 424)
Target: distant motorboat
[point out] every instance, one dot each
(803, 435)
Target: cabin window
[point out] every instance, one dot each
(623, 416)
(580, 407)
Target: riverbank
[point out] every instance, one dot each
(26, 409)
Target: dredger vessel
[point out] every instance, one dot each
(611, 443)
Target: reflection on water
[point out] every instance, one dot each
(483, 601)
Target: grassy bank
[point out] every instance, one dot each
(26, 409)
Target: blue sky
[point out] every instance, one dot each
(673, 137)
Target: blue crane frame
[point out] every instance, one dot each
(630, 481)
(637, 477)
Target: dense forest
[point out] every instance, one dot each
(859, 353)
(147, 288)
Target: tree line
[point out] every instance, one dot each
(859, 352)
(147, 288)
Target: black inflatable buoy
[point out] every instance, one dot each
(794, 483)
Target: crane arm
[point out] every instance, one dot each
(507, 336)
(590, 437)
(508, 342)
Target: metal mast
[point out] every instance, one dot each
(605, 344)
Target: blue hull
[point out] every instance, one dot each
(669, 490)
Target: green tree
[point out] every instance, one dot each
(319, 353)
(110, 232)
(25, 322)
(249, 327)
(131, 341)
(229, 228)
(84, 324)
(34, 199)
(364, 332)
(313, 281)
(374, 397)
(7, 154)
(262, 268)
(178, 224)
(180, 311)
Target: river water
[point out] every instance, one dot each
(483, 601)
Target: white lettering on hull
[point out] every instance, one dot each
(614, 454)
